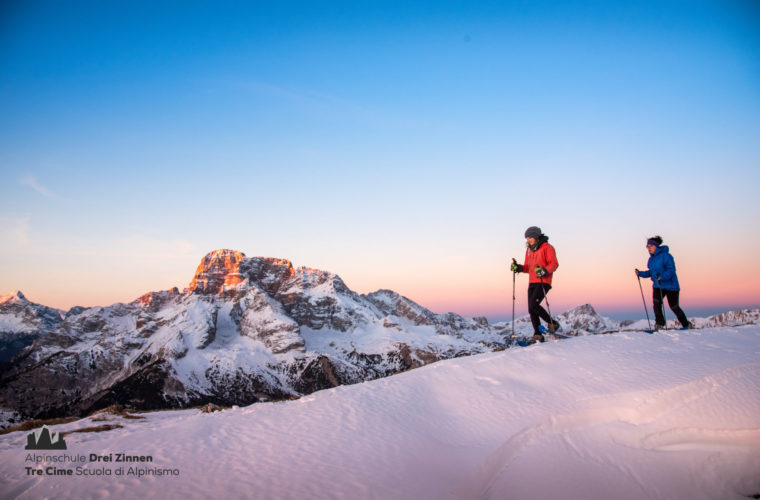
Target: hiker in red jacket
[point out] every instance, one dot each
(540, 264)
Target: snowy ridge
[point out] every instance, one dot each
(730, 318)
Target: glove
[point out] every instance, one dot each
(516, 268)
(541, 272)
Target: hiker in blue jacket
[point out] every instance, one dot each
(662, 271)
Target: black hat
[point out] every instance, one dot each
(533, 232)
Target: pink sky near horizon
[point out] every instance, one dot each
(483, 289)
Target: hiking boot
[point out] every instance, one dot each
(554, 326)
(658, 326)
(536, 338)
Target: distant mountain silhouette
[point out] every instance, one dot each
(45, 441)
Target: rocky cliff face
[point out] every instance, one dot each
(218, 271)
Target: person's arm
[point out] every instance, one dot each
(668, 268)
(551, 259)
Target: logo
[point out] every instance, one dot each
(43, 439)
(85, 465)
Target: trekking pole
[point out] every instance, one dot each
(644, 301)
(548, 307)
(514, 274)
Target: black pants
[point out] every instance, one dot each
(537, 313)
(672, 296)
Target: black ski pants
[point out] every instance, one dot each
(658, 294)
(536, 293)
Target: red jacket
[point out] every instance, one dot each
(544, 256)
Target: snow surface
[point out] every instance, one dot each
(674, 415)
(16, 324)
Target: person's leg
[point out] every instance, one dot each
(673, 296)
(535, 296)
(659, 318)
(537, 312)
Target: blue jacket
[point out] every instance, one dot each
(662, 265)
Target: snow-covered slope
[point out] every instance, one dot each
(675, 415)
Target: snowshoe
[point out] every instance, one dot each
(552, 335)
(536, 338)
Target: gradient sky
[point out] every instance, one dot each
(400, 146)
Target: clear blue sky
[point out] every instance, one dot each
(400, 146)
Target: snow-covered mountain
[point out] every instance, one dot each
(245, 330)
(730, 318)
(21, 322)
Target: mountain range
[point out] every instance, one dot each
(245, 330)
